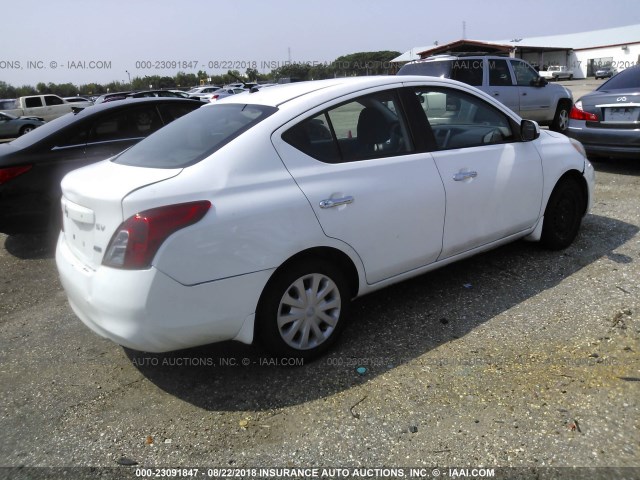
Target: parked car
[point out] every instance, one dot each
(180, 93)
(78, 100)
(12, 126)
(199, 92)
(223, 93)
(606, 120)
(260, 217)
(605, 72)
(109, 97)
(154, 93)
(510, 80)
(7, 103)
(32, 166)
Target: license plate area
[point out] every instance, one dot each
(79, 229)
(621, 114)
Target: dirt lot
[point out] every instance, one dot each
(516, 358)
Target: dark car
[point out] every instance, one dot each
(12, 126)
(605, 72)
(32, 166)
(607, 120)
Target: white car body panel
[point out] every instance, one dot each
(390, 190)
(503, 199)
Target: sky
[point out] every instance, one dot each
(84, 41)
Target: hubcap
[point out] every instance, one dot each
(309, 311)
(563, 120)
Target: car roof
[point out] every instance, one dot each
(66, 121)
(278, 95)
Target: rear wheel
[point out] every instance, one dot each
(26, 129)
(563, 215)
(561, 118)
(302, 309)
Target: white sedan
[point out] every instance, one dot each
(260, 217)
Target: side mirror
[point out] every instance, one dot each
(539, 82)
(529, 130)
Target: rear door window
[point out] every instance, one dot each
(368, 127)
(499, 74)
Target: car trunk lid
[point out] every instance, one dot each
(615, 109)
(92, 204)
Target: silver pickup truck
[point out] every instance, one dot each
(46, 107)
(510, 80)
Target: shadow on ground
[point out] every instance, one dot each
(386, 329)
(618, 166)
(31, 246)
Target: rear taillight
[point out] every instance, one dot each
(577, 113)
(9, 173)
(138, 238)
(213, 97)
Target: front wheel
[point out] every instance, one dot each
(563, 215)
(561, 118)
(302, 310)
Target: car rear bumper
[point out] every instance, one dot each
(148, 311)
(606, 142)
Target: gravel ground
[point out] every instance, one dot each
(519, 357)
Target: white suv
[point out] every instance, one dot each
(509, 80)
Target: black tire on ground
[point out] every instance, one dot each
(570, 77)
(563, 215)
(561, 118)
(303, 309)
(26, 129)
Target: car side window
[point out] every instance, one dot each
(52, 100)
(32, 102)
(525, 74)
(135, 123)
(459, 120)
(368, 127)
(499, 74)
(469, 71)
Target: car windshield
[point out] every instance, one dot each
(195, 136)
(628, 79)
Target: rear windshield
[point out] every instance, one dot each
(195, 136)
(626, 80)
(469, 71)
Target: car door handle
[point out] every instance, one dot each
(458, 177)
(336, 202)
(496, 94)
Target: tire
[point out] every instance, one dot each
(26, 129)
(561, 118)
(570, 77)
(302, 310)
(563, 215)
